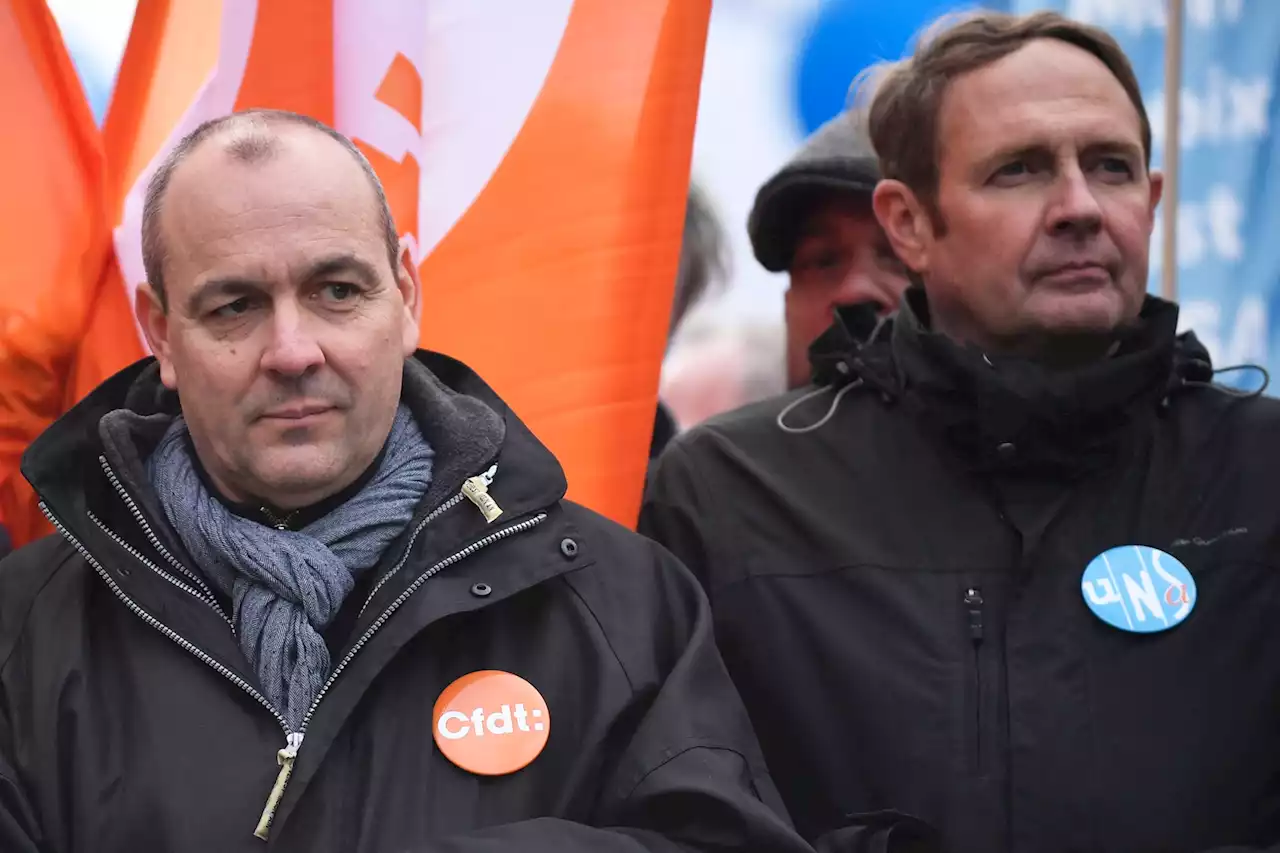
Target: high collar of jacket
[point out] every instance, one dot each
(117, 425)
(1011, 414)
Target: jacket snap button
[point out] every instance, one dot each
(481, 589)
(1007, 450)
(569, 548)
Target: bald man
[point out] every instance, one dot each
(316, 586)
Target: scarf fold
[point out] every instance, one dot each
(287, 586)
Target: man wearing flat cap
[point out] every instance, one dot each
(813, 219)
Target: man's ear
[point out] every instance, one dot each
(905, 222)
(153, 319)
(409, 283)
(1156, 179)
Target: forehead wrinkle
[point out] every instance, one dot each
(262, 220)
(1022, 101)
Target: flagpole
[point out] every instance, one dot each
(1172, 147)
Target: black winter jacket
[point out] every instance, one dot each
(130, 720)
(898, 592)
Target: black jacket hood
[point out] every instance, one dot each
(1009, 413)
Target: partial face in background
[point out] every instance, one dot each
(1045, 202)
(287, 329)
(841, 257)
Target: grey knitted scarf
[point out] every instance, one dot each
(287, 586)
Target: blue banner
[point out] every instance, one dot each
(1229, 199)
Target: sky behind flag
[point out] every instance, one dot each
(95, 32)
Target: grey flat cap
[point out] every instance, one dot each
(837, 157)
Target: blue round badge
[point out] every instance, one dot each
(1140, 589)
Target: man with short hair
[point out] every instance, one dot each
(1011, 570)
(320, 587)
(813, 220)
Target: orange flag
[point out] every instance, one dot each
(170, 55)
(54, 239)
(536, 155)
(555, 282)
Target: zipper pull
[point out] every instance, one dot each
(973, 602)
(278, 522)
(285, 759)
(477, 491)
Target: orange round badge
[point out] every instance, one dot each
(491, 723)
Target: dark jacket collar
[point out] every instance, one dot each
(1005, 414)
(467, 424)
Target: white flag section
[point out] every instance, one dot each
(480, 63)
(217, 97)
(408, 78)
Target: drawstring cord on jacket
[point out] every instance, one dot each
(821, 422)
(843, 369)
(1199, 373)
(1194, 373)
(1237, 368)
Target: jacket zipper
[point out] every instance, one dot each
(156, 623)
(207, 594)
(973, 603)
(195, 593)
(476, 490)
(287, 755)
(293, 740)
(477, 485)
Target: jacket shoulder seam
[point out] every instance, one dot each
(599, 625)
(671, 754)
(706, 503)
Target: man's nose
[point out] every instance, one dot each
(293, 349)
(1074, 209)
